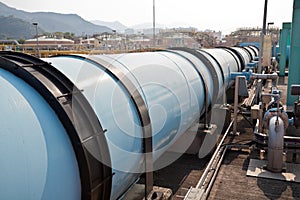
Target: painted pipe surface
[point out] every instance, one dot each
(174, 85)
(37, 158)
(227, 63)
(170, 88)
(246, 57)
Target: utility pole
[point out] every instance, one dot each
(154, 43)
(263, 33)
(115, 38)
(37, 38)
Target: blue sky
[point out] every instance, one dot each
(202, 14)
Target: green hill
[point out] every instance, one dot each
(49, 22)
(15, 28)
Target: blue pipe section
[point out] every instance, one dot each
(37, 158)
(245, 73)
(176, 86)
(170, 87)
(174, 103)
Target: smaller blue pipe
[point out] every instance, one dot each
(247, 74)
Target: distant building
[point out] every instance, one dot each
(149, 31)
(177, 38)
(129, 31)
(50, 43)
(250, 35)
(9, 42)
(181, 30)
(8, 45)
(90, 42)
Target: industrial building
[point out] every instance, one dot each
(50, 43)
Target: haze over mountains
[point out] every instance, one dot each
(47, 22)
(116, 25)
(119, 27)
(16, 24)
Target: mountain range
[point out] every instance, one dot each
(17, 24)
(120, 28)
(11, 26)
(116, 25)
(47, 22)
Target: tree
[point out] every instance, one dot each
(69, 35)
(21, 41)
(58, 34)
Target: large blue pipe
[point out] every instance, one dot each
(35, 149)
(175, 86)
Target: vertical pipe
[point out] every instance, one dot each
(294, 69)
(263, 33)
(260, 117)
(275, 144)
(284, 35)
(37, 42)
(236, 101)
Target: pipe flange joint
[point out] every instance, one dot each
(272, 113)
